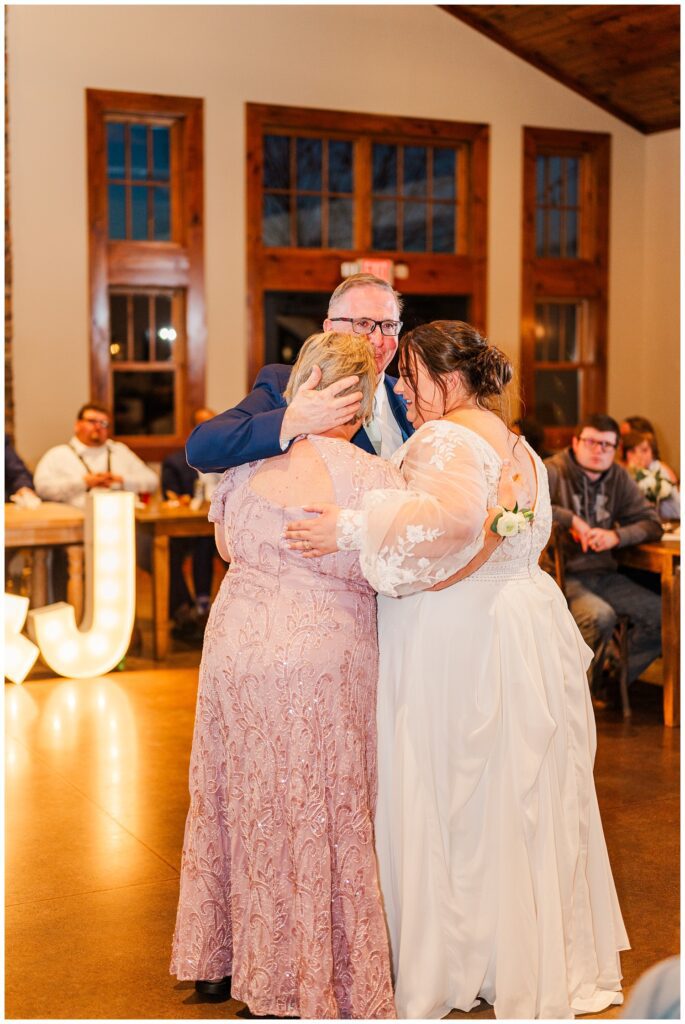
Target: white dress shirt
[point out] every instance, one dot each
(60, 473)
(383, 430)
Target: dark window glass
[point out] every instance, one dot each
(554, 227)
(443, 228)
(276, 162)
(570, 333)
(340, 223)
(116, 152)
(384, 224)
(164, 328)
(556, 397)
(138, 135)
(443, 176)
(554, 196)
(118, 327)
(309, 157)
(415, 227)
(160, 153)
(116, 211)
(276, 220)
(540, 220)
(139, 212)
(384, 170)
(572, 168)
(309, 221)
(571, 234)
(141, 328)
(340, 166)
(162, 215)
(556, 332)
(540, 166)
(143, 402)
(415, 170)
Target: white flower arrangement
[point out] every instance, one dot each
(512, 521)
(653, 484)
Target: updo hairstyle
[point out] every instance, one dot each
(449, 346)
(338, 356)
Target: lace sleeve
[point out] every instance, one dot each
(409, 540)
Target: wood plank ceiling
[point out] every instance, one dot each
(626, 59)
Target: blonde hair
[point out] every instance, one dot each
(338, 356)
(363, 281)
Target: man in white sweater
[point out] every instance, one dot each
(89, 459)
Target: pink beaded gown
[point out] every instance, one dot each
(279, 884)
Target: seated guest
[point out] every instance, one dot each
(18, 480)
(657, 481)
(181, 481)
(644, 426)
(89, 459)
(601, 508)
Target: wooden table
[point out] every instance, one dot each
(663, 557)
(162, 523)
(39, 529)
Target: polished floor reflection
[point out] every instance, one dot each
(96, 774)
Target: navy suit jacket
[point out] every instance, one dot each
(252, 430)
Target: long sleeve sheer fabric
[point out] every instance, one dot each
(410, 540)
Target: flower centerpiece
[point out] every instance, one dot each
(652, 482)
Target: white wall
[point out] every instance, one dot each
(302, 56)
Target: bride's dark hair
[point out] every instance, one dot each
(449, 346)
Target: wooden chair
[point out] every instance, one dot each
(552, 560)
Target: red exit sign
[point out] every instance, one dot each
(381, 268)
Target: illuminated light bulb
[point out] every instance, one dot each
(102, 701)
(110, 536)
(114, 751)
(71, 701)
(116, 778)
(113, 724)
(171, 334)
(110, 581)
(163, 332)
(115, 348)
(56, 724)
(20, 653)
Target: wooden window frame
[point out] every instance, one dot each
(584, 279)
(317, 269)
(147, 264)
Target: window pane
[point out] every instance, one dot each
(276, 220)
(162, 215)
(116, 157)
(443, 175)
(339, 166)
(415, 227)
(541, 334)
(540, 220)
(139, 212)
(118, 327)
(340, 223)
(141, 328)
(556, 397)
(443, 228)
(116, 211)
(276, 162)
(555, 180)
(165, 331)
(415, 169)
(570, 351)
(309, 153)
(160, 153)
(572, 168)
(384, 224)
(554, 223)
(138, 135)
(540, 166)
(309, 221)
(553, 332)
(571, 234)
(384, 169)
(143, 402)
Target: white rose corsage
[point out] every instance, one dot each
(511, 521)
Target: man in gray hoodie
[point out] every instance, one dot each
(601, 508)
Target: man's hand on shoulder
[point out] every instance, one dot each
(314, 412)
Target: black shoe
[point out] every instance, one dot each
(216, 991)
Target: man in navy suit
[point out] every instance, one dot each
(262, 425)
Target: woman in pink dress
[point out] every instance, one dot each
(279, 883)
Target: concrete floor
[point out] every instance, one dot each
(96, 775)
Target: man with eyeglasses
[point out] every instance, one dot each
(89, 459)
(601, 508)
(262, 426)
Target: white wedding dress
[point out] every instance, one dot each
(493, 864)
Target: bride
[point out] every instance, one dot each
(493, 864)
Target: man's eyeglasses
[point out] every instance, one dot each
(364, 325)
(602, 446)
(95, 422)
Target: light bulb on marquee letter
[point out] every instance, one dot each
(103, 639)
(20, 653)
